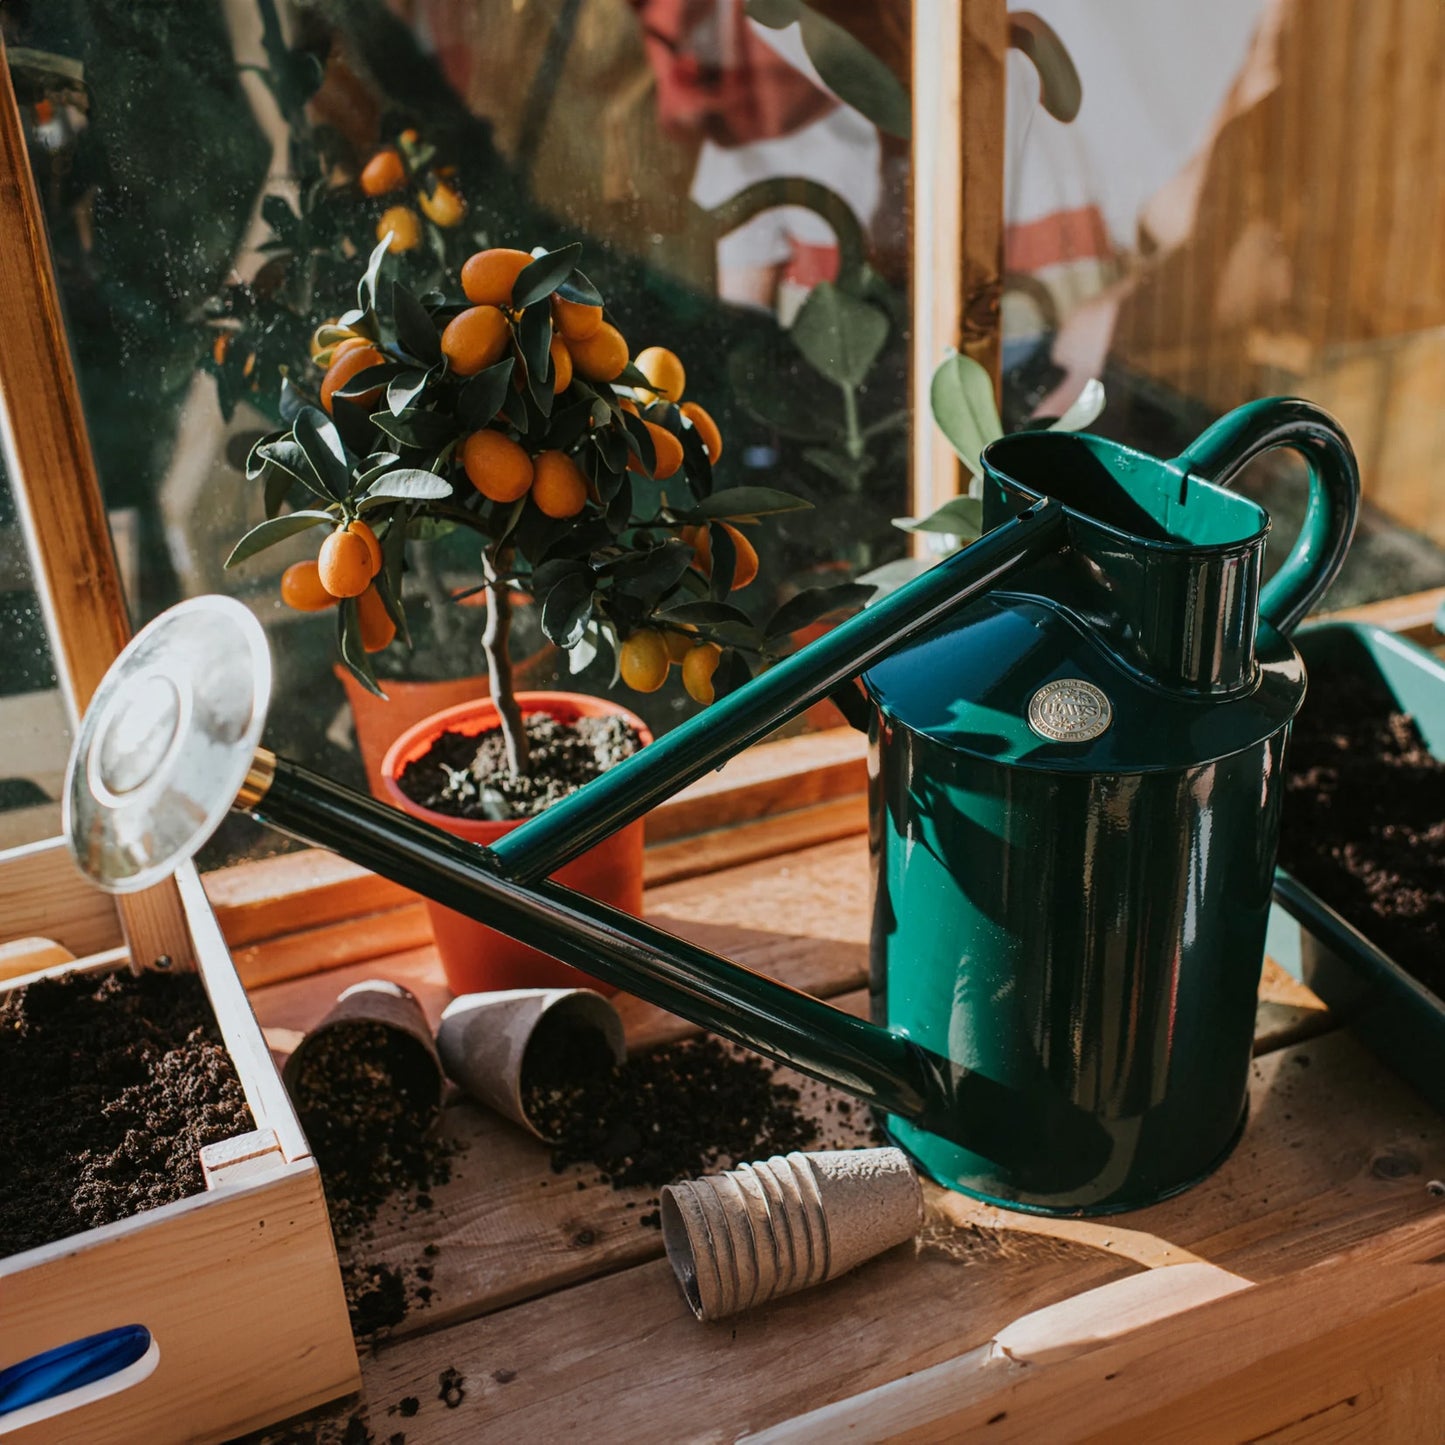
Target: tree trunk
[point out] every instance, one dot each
(499, 661)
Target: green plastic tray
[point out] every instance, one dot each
(1395, 1016)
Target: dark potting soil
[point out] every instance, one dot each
(466, 776)
(669, 1114)
(111, 1085)
(1364, 819)
(366, 1097)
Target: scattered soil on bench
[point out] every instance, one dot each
(1364, 819)
(669, 1114)
(465, 776)
(111, 1085)
(366, 1096)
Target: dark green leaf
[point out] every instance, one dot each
(619, 505)
(546, 575)
(363, 323)
(578, 288)
(732, 673)
(348, 640)
(695, 461)
(839, 335)
(568, 424)
(544, 275)
(724, 556)
(855, 74)
(639, 441)
(415, 330)
(749, 502)
(353, 425)
(393, 565)
(631, 376)
(812, 604)
(567, 608)
(319, 439)
(284, 454)
(366, 287)
(417, 428)
(612, 446)
(290, 401)
(409, 484)
(404, 388)
(482, 396)
(277, 529)
(367, 380)
(653, 573)
(534, 338)
(704, 612)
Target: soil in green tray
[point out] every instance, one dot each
(1364, 819)
(110, 1085)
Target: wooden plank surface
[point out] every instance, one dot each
(1338, 1153)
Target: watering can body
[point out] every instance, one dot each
(1075, 787)
(1078, 725)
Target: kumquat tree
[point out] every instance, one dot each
(518, 413)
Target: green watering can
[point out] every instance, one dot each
(1077, 729)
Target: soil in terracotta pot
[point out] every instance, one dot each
(1364, 819)
(110, 1085)
(466, 776)
(366, 1097)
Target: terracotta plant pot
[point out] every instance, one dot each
(476, 958)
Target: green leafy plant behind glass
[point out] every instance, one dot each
(962, 399)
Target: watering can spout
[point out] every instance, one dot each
(889, 1071)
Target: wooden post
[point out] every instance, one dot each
(959, 49)
(57, 494)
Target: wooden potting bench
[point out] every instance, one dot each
(1312, 1307)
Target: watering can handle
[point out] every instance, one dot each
(1223, 451)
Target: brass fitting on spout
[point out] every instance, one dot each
(258, 779)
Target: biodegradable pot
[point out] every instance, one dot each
(478, 959)
(379, 1001)
(486, 1039)
(739, 1239)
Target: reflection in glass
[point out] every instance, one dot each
(212, 185)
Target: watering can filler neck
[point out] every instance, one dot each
(1170, 609)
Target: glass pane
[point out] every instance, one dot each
(1248, 204)
(32, 716)
(207, 190)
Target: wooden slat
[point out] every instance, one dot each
(57, 494)
(42, 891)
(983, 71)
(226, 1255)
(1349, 1351)
(1412, 615)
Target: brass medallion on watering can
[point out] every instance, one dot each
(1077, 730)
